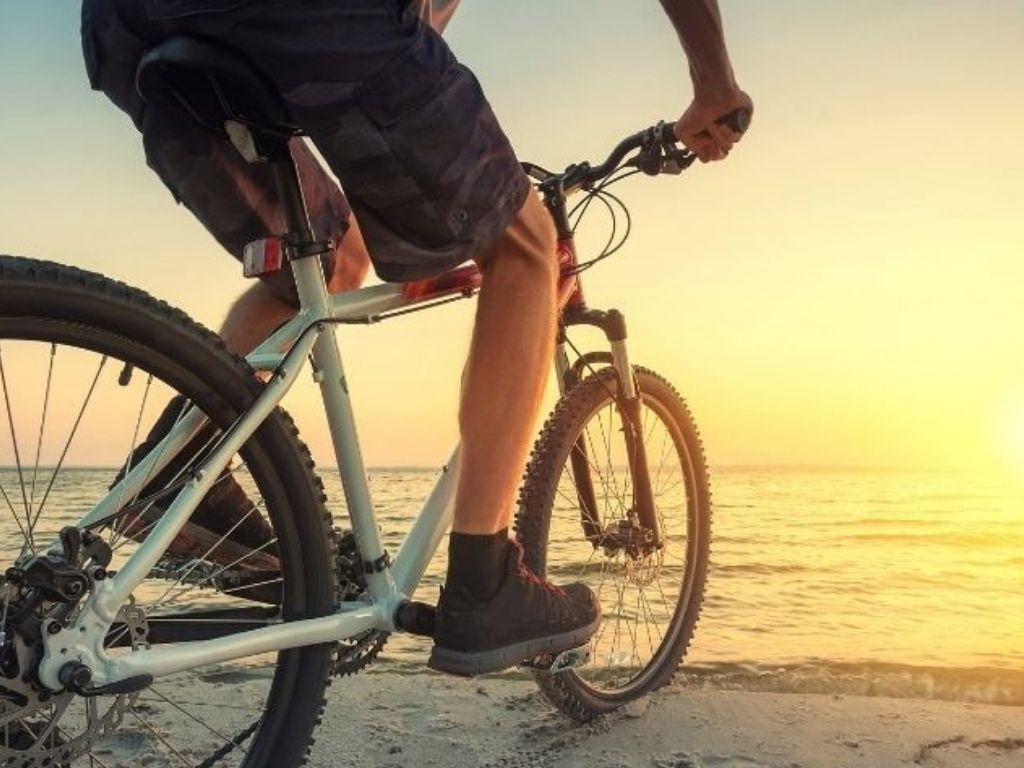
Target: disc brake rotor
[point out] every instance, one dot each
(39, 729)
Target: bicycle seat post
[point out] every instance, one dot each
(293, 204)
(257, 145)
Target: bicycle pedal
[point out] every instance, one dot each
(574, 658)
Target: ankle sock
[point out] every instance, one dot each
(476, 563)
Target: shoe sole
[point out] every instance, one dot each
(471, 664)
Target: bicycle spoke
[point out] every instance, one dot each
(244, 587)
(123, 541)
(57, 711)
(17, 454)
(608, 453)
(635, 631)
(217, 704)
(664, 491)
(192, 717)
(666, 445)
(14, 514)
(649, 613)
(196, 562)
(600, 588)
(161, 739)
(208, 581)
(67, 446)
(604, 483)
(664, 600)
(593, 467)
(132, 445)
(618, 623)
(42, 425)
(143, 486)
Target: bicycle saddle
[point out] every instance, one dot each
(218, 86)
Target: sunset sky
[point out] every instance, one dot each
(846, 289)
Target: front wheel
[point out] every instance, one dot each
(577, 521)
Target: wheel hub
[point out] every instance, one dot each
(627, 535)
(41, 592)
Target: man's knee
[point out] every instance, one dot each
(528, 240)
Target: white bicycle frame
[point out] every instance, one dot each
(310, 335)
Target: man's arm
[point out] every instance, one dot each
(715, 93)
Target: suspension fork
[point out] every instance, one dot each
(628, 401)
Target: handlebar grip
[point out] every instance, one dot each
(738, 120)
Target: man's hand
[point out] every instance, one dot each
(699, 130)
(699, 26)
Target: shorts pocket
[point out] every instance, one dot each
(428, 109)
(168, 10)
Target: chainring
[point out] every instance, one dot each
(353, 654)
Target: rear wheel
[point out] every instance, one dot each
(577, 522)
(86, 367)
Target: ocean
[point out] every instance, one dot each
(822, 580)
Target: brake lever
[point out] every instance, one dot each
(650, 157)
(676, 161)
(536, 173)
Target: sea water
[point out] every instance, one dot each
(825, 580)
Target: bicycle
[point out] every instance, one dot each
(82, 644)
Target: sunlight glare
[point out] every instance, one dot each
(1012, 429)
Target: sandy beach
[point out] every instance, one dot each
(428, 720)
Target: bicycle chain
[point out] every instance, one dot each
(230, 746)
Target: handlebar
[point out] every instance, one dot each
(659, 154)
(738, 121)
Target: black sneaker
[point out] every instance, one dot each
(527, 618)
(225, 508)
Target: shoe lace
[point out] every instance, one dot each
(524, 572)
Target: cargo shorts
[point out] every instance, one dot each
(427, 170)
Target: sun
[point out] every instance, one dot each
(1012, 432)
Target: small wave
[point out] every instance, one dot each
(960, 540)
(763, 568)
(880, 522)
(983, 685)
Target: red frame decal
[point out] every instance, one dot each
(467, 279)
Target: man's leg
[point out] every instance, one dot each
(493, 613)
(509, 357)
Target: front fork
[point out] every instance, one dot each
(628, 403)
